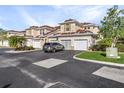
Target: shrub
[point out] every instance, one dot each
(31, 47)
(98, 47)
(24, 48)
(105, 42)
(120, 47)
(16, 41)
(102, 45)
(95, 48)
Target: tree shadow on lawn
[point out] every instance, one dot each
(103, 54)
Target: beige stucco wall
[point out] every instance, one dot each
(62, 28)
(29, 42)
(95, 30)
(73, 26)
(78, 27)
(28, 32)
(52, 40)
(33, 32)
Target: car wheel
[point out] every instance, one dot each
(63, 48)
(45, 51)
(53, 50)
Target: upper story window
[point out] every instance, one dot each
(67, 27)
(94, 27)
(88, 27)
(42, 32)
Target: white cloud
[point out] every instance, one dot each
(59, 13)
(27, 18)
(93, 13)
(83, 13)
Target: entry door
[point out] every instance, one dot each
(80, 44)
(67, 44)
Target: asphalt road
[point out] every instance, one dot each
(17, 71)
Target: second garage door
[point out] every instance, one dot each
(80, 44)
(36, 44)
(67, 44)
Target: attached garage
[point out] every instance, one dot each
(36, 44)
(67, 44)
(74, 42)
(80, 44)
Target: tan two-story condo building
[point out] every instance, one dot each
(72, 34)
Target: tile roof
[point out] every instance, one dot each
(13, 31)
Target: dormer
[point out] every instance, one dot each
(68, 25)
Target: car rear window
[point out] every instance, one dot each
(47, 44)
(52, 44)
(55, 43)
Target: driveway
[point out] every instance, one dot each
(38, 69)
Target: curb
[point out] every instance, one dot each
(98, 62)
(21, 51)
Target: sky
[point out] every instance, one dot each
(21, 17)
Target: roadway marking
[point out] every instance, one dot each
(15, 63)
(111, 73)
(8, 62)
(40, 81)
(49, 63)
(31, 75)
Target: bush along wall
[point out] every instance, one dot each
(16, 41)
(104, 43)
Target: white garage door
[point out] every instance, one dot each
(67, 44)
(36, 44)
(0, 43)
(5, 43)
(80, 44)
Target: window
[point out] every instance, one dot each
(42, 32)
(67, 27)
(88, 27)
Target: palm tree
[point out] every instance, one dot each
(3, 35)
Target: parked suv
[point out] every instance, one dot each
(52, 47)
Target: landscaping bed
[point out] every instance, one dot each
(24, 48)
(100, 56)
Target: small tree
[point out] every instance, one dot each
(112, 25)
(16, 41)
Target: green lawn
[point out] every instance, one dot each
(100, 56)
